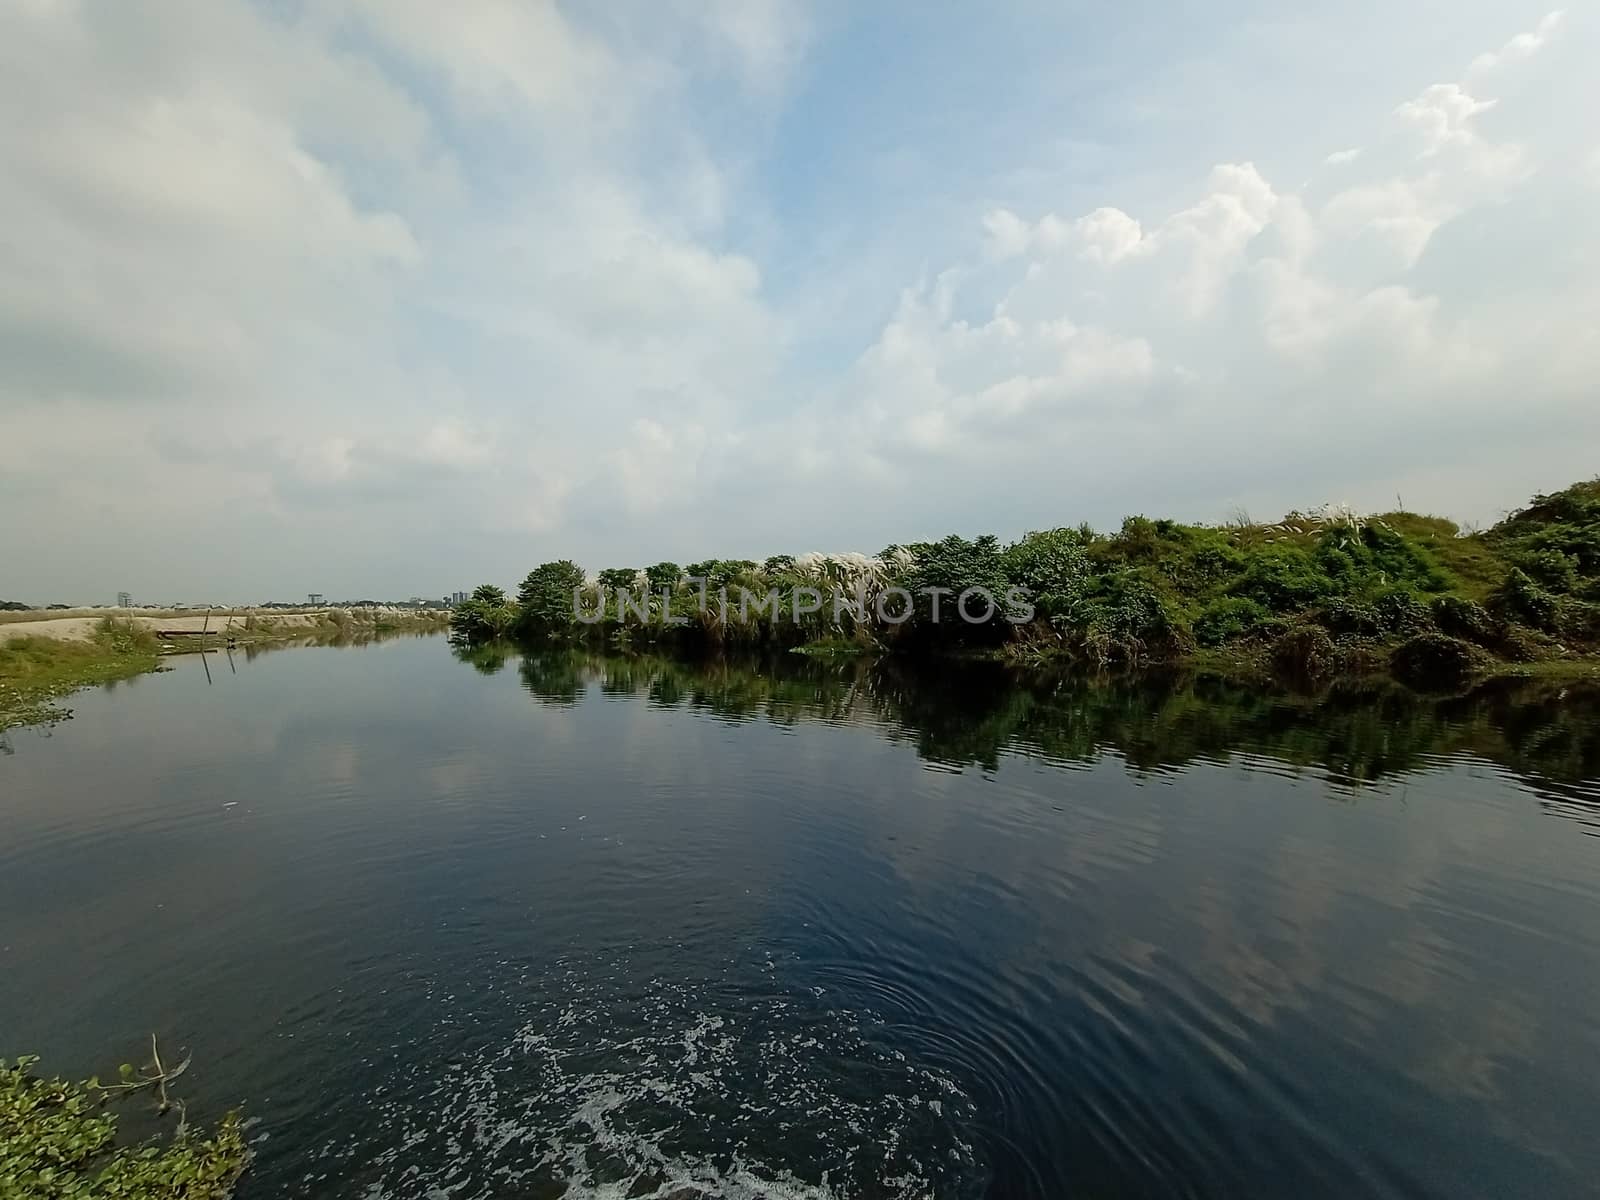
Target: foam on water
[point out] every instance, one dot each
(686, 1092)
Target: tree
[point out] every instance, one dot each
(546, 599)
(486, 616)
(616, 579)
(663, 575)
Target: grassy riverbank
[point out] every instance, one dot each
(35, 671)
(38, 669)
(1328, 593)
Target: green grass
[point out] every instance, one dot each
(35, 671)
(1473, 565)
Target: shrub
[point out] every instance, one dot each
(1522, 601)
(1053, 567)
(1435, 661)
(1362, 657)
(663, 575)
(1304, 652)
(618, 578)
(1567, 522)
(484, 617)
(545, 599)
(1392, 611)
(1350, 618)
(1128, 618)
(1228, 618)
(1550, 569)
(1283, 578)
(1520, 644)
(1400, 611)
(1463, 619)
(955, 564)
(124, 635)
(1579, 619)
(1374, 555)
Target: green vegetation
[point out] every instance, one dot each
(58, 1143)
(35, 671)
(1314, 596)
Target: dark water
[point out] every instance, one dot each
(492, 928)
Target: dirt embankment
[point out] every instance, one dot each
(79, 624)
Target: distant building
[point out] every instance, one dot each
(456, 597)
(124, 600)
(313, 597)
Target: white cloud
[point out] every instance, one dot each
(1252, 322)
(1109, 235)
(1524, 45)
(1441, 114)
(530, 281)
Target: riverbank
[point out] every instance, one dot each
(46, 656)
(1312, 596)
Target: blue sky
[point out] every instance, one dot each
(384, 297)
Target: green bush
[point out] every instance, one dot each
(1228, 618)
(1579, 620)
(1283, 578)
(1566, 522)
(1551, 569)
(545, 605)
(1463, 619)
(1360, 561)
(663, 575)
(1401, 611)
(1304, 652)
(618, 578)
(123, 635)
(1523, 602)
(1392, 611)
(955, 564)
(1053, 567)
(1129, 618)
(1435, 661)
(485, 616)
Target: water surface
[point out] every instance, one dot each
(573, 925)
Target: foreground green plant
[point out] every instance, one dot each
(58, 1142)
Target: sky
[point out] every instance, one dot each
(382, 298)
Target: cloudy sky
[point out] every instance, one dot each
(391, 297)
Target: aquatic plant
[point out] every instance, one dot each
(58, 1143)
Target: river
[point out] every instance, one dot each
(568, 924)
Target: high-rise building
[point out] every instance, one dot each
(124, 600)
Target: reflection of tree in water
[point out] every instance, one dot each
(558, 675)
(970, 713)
(486, 658)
